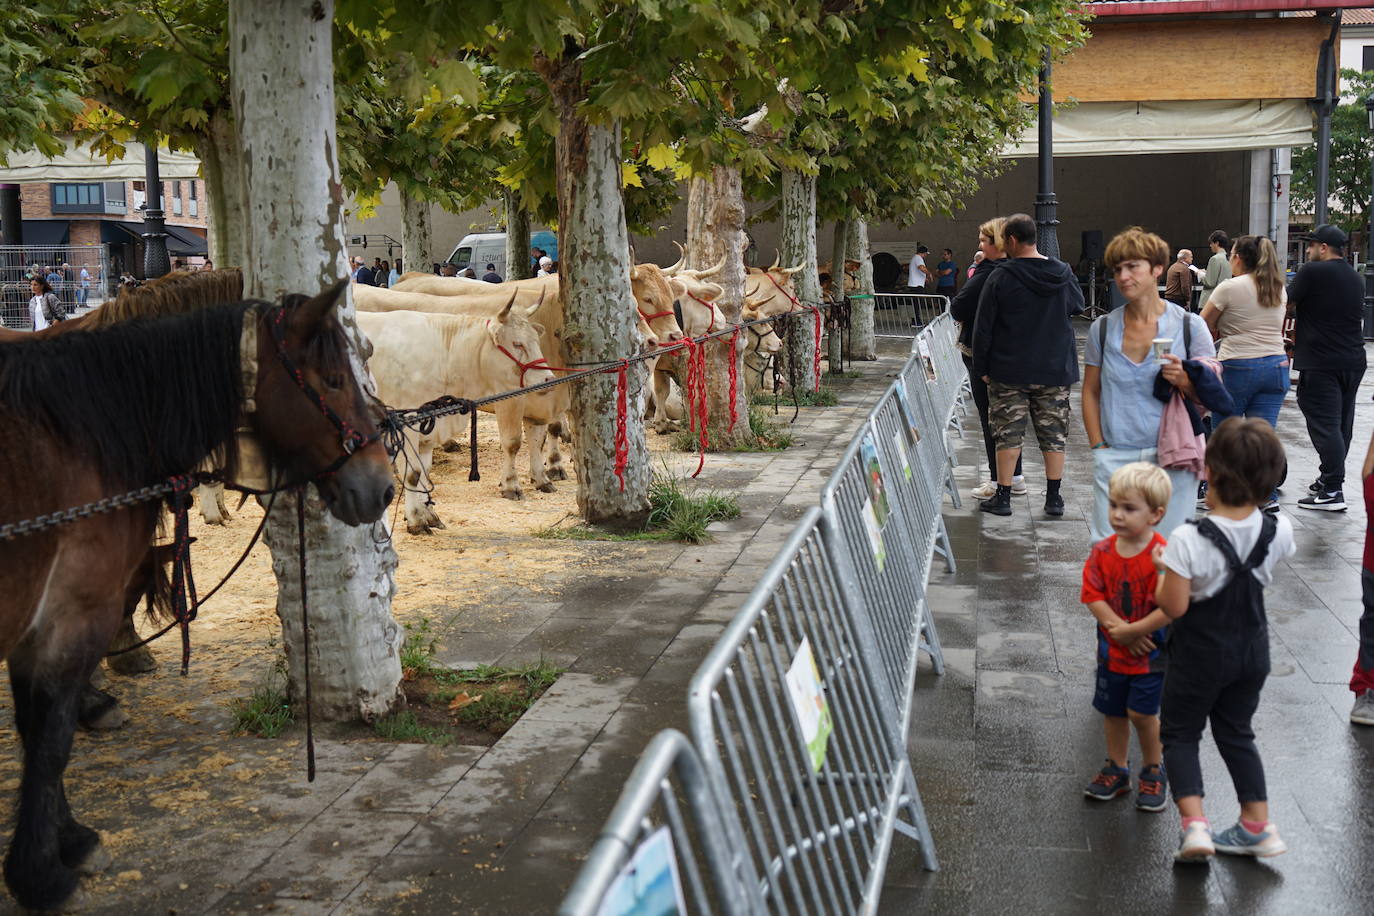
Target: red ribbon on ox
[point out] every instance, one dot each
(698, 408)
(816, 312)
(622, 438)
(734, 378)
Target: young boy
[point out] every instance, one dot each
(1211, 584)
(1119, 590)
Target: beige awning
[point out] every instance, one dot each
(1135, 128)
(78, 163)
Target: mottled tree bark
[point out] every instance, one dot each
(863, 344)
(417, 237)
(224, 195)
(517, 237)
(799, 247)
(280, 61)
(594, 271)
(715, 228)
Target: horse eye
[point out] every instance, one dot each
(334, 381)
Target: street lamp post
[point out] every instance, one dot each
(156, 263)
(1369, 237)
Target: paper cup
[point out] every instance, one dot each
(1160, 346)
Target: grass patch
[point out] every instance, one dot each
(417, 651)
(825, 397)
(406, 727)
(673, 516)
(765, 435)
(847, 374)
(267, 712)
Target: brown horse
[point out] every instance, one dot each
(127, 406)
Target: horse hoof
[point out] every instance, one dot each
(96, 861)
(99, 710)
(557, 473)
(545, 487)
(512, 494)
(417, 528)
(108, 720)
(452, 445)
(137, 661)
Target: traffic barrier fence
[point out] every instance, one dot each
(904, 314)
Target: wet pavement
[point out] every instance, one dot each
(1004, 743)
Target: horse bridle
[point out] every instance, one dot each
(350, 439)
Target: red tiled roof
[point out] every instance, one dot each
(1175, 7)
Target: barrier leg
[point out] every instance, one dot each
(919, 828)
(930, 639)
(943, 548)
(950, 487)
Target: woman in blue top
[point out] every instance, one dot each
(1120, 412)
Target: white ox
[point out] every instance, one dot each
(420, 356)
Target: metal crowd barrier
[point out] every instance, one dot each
(903, 314)
(797, 774)
(796, 728)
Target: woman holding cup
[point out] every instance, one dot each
(1126, 349)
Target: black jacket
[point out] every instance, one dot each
(1022, 334)
(963, 308)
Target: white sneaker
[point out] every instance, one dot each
(986, 491)
(1195, 844)
(1238, 841)
(1018, 485)
(1363, 711)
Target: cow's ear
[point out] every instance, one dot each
(678, 287)
(538, 328)
(715, 290)
(748, 314)
(309, 314)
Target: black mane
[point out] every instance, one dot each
(143, 399)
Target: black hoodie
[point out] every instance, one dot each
(1022, 335)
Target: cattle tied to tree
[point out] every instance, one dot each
(92, 415)
(419, 357)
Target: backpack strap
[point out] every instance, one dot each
(1213, 534)
(1268, 526)
(1102, 337)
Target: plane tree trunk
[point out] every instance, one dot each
(835, 348)
(799, 247)
(517, 237)
(218, 150)
(862, 342)
(417, 237)
(600, 326)
(280, 61)
(715, 228)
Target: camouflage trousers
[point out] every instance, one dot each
(1047, 406)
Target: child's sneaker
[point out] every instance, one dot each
(1153, 790)
(985, 490)
(1018, 485)
(1109, 783)
(1195, 843)
(1238, 841)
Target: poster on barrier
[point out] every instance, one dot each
(923, 348)
(900, 448)
(649, 884)
(904, 402)
(808, 700)
(875, 509)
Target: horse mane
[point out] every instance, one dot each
(142, 399)
(177, 292)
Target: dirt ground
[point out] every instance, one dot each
(175, 774)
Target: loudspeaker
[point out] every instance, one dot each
(1092, 245)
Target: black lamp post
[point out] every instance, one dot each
(1369, 237)
(1046, 204)
(156, 263)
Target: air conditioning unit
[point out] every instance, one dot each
(357, 241)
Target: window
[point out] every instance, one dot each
(176, 198)
(1367, 61)
(194, 208)
(78, 198)
(115, 199)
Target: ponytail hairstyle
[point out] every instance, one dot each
(1261, 262)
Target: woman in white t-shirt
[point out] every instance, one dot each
(39, 306)
(1245, 314)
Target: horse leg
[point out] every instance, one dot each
(509, 416)
(132, 661)
(49, 844)
(536, 434)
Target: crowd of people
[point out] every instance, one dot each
(1180, 410)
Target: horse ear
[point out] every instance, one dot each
(310, 313)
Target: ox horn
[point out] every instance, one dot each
(712, 271)
(792, 270)
(682, 259)
(777, 260)
(505, 312)
(751, 293)
(529, 312)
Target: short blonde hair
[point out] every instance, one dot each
(1143, 478)
(993, 230)
(1134, 243)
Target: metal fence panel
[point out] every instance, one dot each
(668, 787)
(817, 830)
(903, 315)
(16, 262)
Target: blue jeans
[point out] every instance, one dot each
(1257, 387)
(1182, 501)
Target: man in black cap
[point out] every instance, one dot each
(1327, 300)
(491, 276)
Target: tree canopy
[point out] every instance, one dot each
(1349, 182)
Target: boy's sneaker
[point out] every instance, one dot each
(1054, 505)
(1333, 501)
(1195, 844)
(1271, 506)
(1018, 485)
(1363, 711)
(1153, 791)
(985, 490)
(1237, 841)
(1316, 486)
(1202, 496)
(999, 504)
(1109, 783)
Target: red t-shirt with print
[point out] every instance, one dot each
(1127, 584)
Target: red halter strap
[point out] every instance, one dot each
(796, 303)
(540, 363)
(711, 328)
(647, 317)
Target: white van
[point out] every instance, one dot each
(479, 249)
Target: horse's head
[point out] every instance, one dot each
(310, 413)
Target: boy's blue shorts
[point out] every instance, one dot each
(1117, 692)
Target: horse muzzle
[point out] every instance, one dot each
(359, 492)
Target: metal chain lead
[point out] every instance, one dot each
(77, 513)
